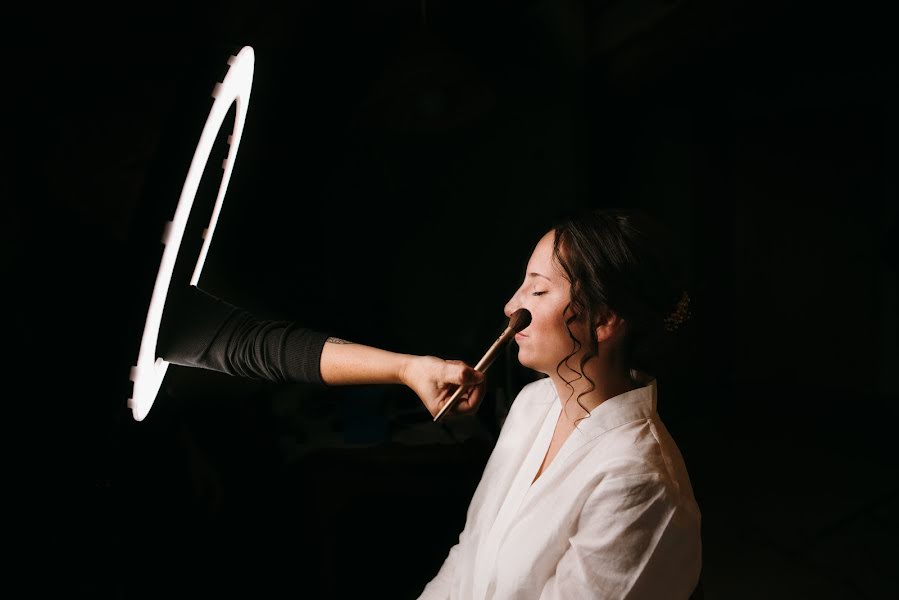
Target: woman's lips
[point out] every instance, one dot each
(520, 336)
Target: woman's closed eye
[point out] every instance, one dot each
(538, 293)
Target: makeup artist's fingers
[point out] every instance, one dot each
(434, 380)
(470, 399)
(459, 373)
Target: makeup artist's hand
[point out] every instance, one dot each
(434, 380)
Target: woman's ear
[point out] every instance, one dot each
(610, 327)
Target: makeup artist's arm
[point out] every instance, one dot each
(200, 330)
(432, 379)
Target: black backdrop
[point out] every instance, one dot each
(399, 161)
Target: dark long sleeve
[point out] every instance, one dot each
(200, 330)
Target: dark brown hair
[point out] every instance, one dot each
(624, 262)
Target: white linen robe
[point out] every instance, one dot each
(612, 516)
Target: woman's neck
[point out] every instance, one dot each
(610, 380)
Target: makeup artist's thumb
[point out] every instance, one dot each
(462, 374)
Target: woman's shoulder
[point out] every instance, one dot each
(535, 396)
(636, 454)
(541, 391)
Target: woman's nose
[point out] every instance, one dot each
(511, 306)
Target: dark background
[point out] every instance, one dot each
(399, 161)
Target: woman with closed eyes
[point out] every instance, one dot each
(586, 494)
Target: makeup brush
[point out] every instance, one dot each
(520, 319)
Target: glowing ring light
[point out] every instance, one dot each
(150, 370)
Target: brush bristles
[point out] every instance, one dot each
(520, 319)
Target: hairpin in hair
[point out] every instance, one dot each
(679, 315)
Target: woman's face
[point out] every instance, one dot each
(546, 293)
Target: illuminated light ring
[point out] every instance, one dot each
(150, 370)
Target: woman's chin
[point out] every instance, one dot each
(530, 363)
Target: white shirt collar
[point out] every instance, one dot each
(635, 405)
